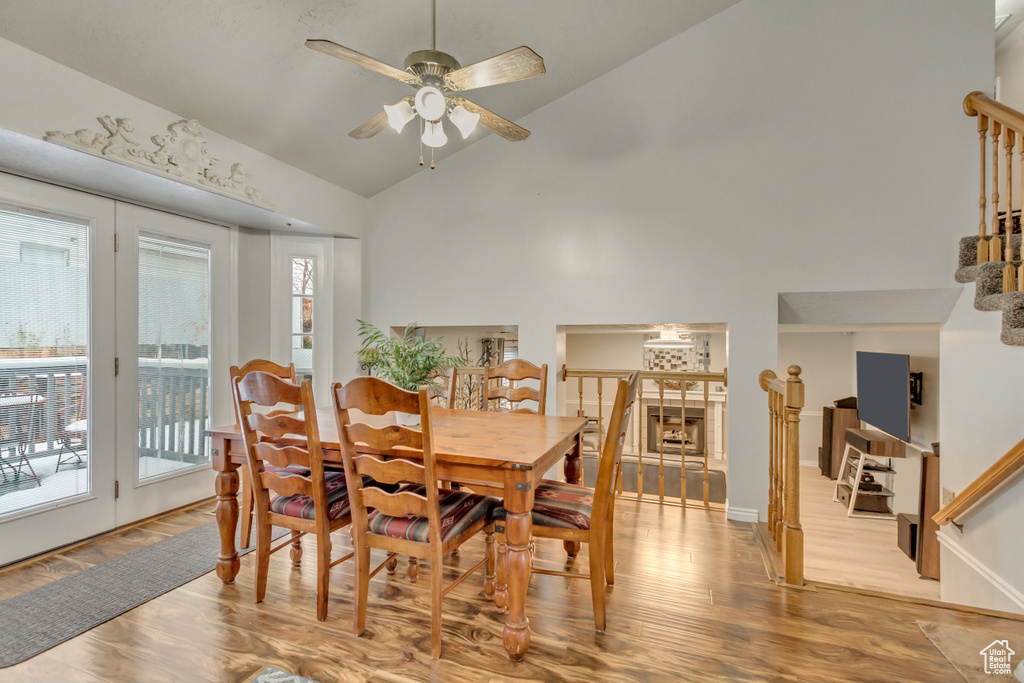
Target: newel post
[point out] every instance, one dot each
(793, 535)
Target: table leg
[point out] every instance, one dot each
(574, 475)
(226, 486)
(518, 534)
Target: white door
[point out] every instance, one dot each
(57, 386)
(173, 329)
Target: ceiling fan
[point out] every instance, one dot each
(438, 77)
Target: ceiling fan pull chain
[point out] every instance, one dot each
(421, 141)
(431, 158)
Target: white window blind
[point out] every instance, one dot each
(174, 356)
(44, 332)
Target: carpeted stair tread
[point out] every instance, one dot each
(988, 289)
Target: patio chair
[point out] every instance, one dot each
(73, 432)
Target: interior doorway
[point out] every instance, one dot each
(882, 542)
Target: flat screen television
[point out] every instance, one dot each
(883, 392)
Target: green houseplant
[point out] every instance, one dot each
(408, 361)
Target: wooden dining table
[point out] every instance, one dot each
(499, 450)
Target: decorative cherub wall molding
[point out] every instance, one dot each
(182, 154)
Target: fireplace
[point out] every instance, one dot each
(679, 429)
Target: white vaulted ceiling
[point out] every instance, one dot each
(239, 66)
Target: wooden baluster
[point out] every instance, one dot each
(772, 511)
(1009, 272)
(707, 486)
(794, 535)
(661, 445)
(995, 245)
(780, 472)
(581, 396)
(1020, 255)
(640, 449)
(682, 435)
(982, 223)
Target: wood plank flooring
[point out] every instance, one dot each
(692, 602)
(853, 551)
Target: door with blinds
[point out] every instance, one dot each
(173, 291)
(57, 384)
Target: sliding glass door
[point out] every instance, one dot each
(56, 367)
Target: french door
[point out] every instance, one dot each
(112, 363)
(173, 290)
(57, 385)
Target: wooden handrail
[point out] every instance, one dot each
(989, 481)
(978, 103)
(722, 377)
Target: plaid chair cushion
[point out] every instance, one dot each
(459, 511)
(559, 504)
(302, 506)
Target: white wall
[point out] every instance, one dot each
(980, 413)
(51, 96)
(826, 362)
(764, 150)
(1010, 69)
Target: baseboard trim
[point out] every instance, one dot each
(981, 568)
(741, 514)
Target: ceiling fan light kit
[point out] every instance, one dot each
(399, 114)
(464, 120)
(433, 134)
(430, 103)
(437, 76)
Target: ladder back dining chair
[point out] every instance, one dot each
(419, 519)
(290, 487)
(514, 371)
(284, 372)
(571, 512)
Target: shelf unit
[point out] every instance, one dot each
(867, 451)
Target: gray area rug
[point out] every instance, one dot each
(274, 675)
(46, 616)
(979, 656)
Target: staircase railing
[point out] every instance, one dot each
(785, 401)
(666, 385)
(666, 382)
(1005, 128)
(989, 481)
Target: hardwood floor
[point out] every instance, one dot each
(853, 551)
(692, 602)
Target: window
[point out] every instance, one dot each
(302, 317)
(174, 356)
(44, 331)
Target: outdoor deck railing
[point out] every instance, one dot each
(173, 402)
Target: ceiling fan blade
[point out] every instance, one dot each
(359, 59)
(514, 65)
(376, 124)
(491, 121)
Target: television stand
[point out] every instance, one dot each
(866, 444)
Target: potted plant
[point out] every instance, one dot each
(408, 361)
